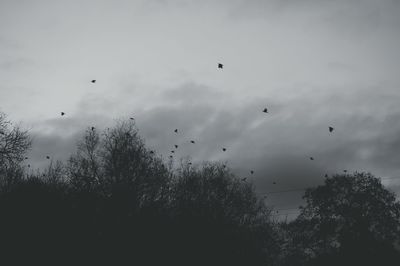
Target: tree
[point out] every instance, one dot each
(117, 164)
(14, 143)
(349, 219)
(222, 216)
(84, 168)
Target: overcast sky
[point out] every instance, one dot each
(312, 63)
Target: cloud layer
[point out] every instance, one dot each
(314, 64)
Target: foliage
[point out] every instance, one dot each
(116, 202)
(349, 219)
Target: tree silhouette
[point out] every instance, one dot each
(84, 168)
(14, 143)
(117, 162)
(351, 219)
(222, 215)
(116, 202)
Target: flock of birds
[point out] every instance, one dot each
(224, 149)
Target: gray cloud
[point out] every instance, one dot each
(314, 64)
(277, 146)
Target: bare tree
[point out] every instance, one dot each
(14, 143)
(117, 163)
(211, 199)
(84, 167)
(212, 190)
(129, 166)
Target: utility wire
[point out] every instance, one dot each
(304, 188)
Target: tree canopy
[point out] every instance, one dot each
(351, 218)
(117, 202)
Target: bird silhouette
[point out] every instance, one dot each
(265, 110)
(172, 151)
(93, 128)
(189, 163)
(62, 113)
(47, 157)
(244, 179)
(326, 175)
(220, 65)
(274, 183)
(93, 81)
(29, 165)
(345, 171)
(331, 129)
(2, 133)
(251, 172)
(224, 165)
(176, 130)
(26, 158)
(312, 158)
(171, 156)
(151, 152)
(223, 149)
(131, 118)
(192, 141)
(176, 146)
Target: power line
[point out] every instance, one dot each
(389, 178)
(305, 188)
(296, 210)
(284, 191)
(284, 214)
(287, 209)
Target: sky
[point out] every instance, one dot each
(312, 63)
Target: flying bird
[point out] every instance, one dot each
(189, 163)
(131, 118)
(224, 165)
(172, 151)
(93, 81)
(151, 152)
(176, 146)
(265, 110)
(48, 157)
(220, 65)
(62, 113)
(176, 130)
(93, 128)
(171, 156)
(274, 183)
(345, 171)
(26, 158)
(326, 175)
(251, 172)
(244, 179)
(331, 129)
(192, 141)
(223, 149)
(29, 165)
(312, 158)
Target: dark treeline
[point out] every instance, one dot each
(116, 202)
